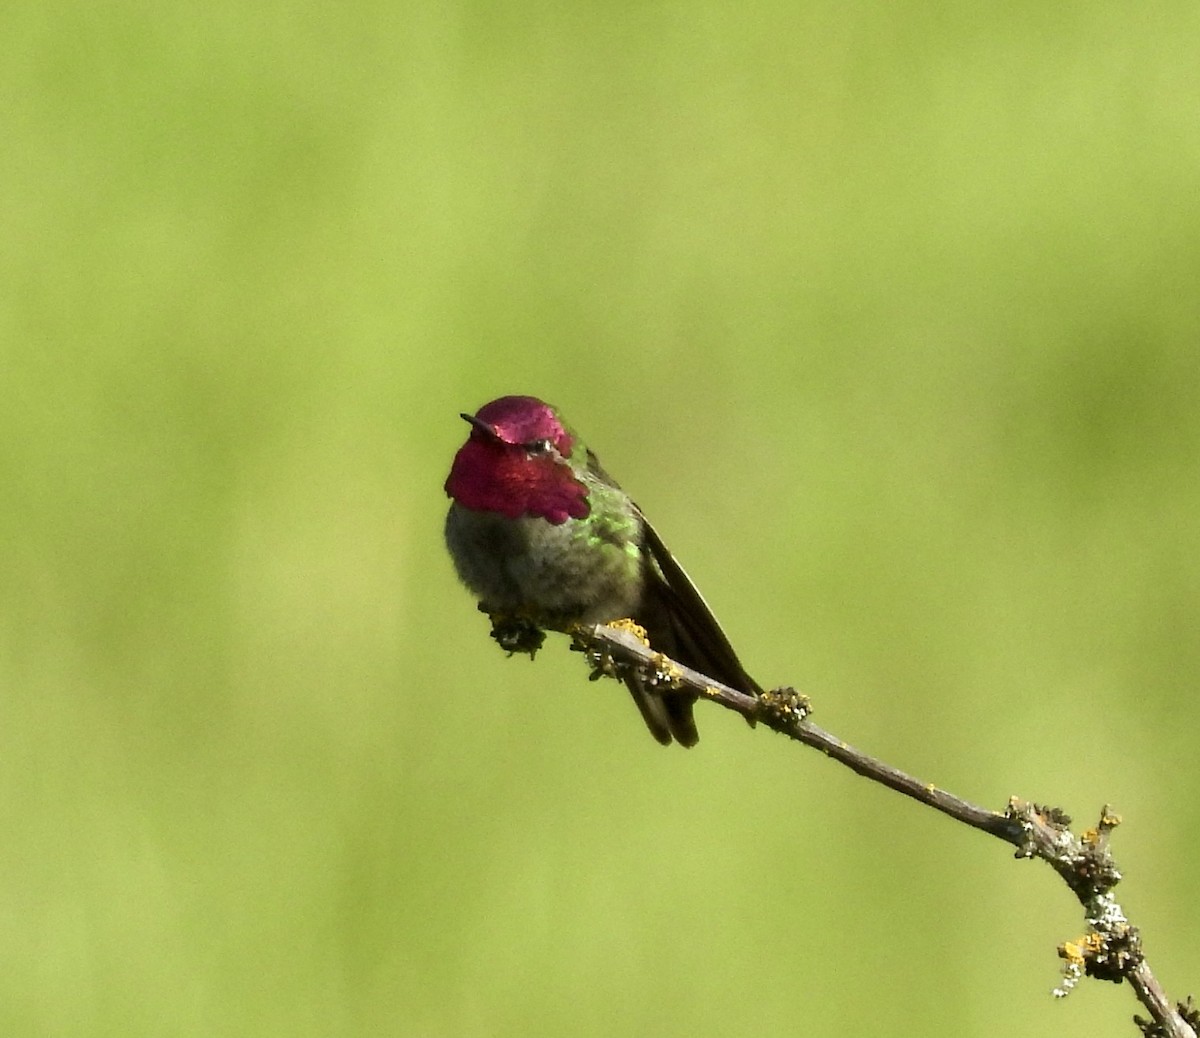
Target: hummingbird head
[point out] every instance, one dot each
(517, 462)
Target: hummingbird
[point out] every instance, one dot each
(538, 530)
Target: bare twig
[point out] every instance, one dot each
(1109, 949)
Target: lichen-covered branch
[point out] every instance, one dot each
(1110, 947)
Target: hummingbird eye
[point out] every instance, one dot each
(538, 446)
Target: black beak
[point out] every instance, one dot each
(482, 426)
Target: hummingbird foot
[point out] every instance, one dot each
(516, 633)
(662, 673)
(600, 660)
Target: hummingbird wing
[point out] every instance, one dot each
(699, 641)
(678, 623)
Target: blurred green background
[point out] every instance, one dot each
(887, 315)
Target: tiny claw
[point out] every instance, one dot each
(516, 634)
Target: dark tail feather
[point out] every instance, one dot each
(679, 623)
(683, 726)
(669, 717)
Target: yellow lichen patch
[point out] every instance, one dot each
(667, 668)
(1072, 953)
(629, 627)
(1083, 948)
(1097, 834)
(1072, 971)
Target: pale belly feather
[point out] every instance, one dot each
(555, 575)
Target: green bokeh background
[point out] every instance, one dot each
(888, 316)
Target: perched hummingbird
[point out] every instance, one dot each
(538, 530)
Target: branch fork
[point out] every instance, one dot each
(1110, 947)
